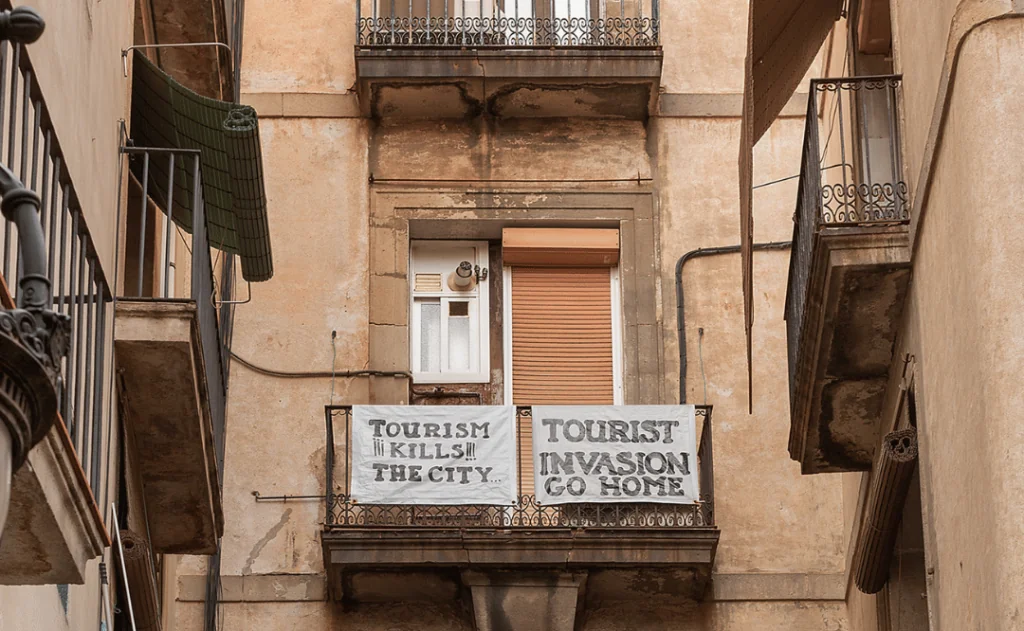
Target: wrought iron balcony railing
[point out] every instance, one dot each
(342, 512)
(508, 24)
(850, 176)
(170, 180)
(29, 147)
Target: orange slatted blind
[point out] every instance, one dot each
(561, 343)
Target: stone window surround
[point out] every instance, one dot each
(398, 214)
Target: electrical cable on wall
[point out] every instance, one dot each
(680, 307)
(314, 374)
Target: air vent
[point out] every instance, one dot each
(428, 282)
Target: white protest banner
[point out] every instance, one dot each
(433, 454)
(636, 453)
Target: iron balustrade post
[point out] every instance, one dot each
(97, 434)
(69, 417)
(79, 350)
(143, 205)
(168, 251)
(329, 465)
(11, 131)
(54, 210)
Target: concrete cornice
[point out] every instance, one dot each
(724, 588)
(346, 105)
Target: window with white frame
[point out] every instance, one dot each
(449, 312)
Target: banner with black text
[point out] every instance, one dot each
(636, 453)
(433, 454)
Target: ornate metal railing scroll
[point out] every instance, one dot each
(859, 151)
(509, 24)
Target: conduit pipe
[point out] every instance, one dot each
(680, 316)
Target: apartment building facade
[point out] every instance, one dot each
(572, 159)
(520, 203)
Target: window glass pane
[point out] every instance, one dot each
(430, 337)
(458, 336)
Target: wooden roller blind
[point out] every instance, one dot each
(561, 343)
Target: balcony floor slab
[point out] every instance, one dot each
(403, 84)
(159, 358)
(856, 288)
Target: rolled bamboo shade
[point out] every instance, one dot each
(138, 563)
(883, 512)
(561, 343)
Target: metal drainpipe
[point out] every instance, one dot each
(33, 339)
(680, 318)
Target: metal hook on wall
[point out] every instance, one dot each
(125, 51)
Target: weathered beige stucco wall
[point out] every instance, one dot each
(545, 149)
(304, 46)
(316, 188)
(773, 519)
(920, 35)
(775, 522)
(964, 325)
(78, 64)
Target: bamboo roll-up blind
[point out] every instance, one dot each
(561, 343)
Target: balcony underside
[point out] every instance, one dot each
(53, 527)
(366, 565)
(457, 84)
(159, 357)
(856, 288)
